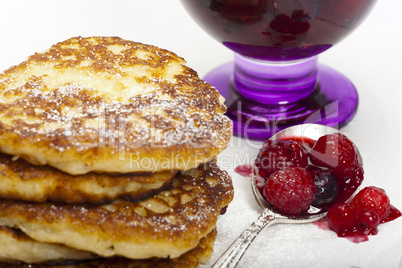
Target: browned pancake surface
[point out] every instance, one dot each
(166, 225)
(105, 104)
(20, 180)
(26, 252)
(17, 247)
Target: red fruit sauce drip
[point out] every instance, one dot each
(244, 170)
(357, 236)
(394, 213)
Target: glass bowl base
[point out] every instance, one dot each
(333, 103)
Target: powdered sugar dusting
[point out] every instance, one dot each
(162, 218)
(73, 105)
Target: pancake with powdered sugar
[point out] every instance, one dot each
(166, 225)
(104, 104)
(20, 180)
(17, 248)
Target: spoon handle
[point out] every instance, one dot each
(233, 254)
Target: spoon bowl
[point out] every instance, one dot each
(305, 133)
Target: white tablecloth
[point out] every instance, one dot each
(371, 57)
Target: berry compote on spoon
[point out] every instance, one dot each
(298, 175)
(296, 170)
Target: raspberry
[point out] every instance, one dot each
(361, 215)
(290, 190)
(280, 154)
(374, 199)
(341, 218)
(337, 153)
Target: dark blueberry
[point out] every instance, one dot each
(327, 187)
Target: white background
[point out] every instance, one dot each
(371, 57)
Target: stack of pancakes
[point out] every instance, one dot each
(107, 158)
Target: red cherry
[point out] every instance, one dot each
(341, 218)
(368, 221)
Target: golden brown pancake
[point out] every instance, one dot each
(165, 226)
(20, 180)
(198, 255)
(17, 247)
(105, 104)
(18, 250)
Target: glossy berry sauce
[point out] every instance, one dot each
(342, 194)
(355, 235)
(358, 236)
(278, 29)
(394, 213)
(244, 170)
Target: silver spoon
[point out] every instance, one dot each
(270, 215)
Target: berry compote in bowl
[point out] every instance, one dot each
(275, 80)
